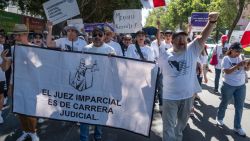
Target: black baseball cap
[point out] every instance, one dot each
(179, 32)
(236, 46)
(140, 32)
(98, 29)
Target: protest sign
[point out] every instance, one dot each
(87, 88)
(199, 21)
(60, 10)
(127, 21)
(89, 27)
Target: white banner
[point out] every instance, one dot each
(127, 21)
(87, 88)
(60, 10)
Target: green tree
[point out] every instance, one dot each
(177, 12)
(90, 10)
(3, 4)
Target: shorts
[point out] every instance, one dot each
(2, 83)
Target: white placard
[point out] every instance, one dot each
(127, 21)
(87, 88)
(60, 10)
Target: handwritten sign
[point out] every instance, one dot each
(60, 10)
(127, 21)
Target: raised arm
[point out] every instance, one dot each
(50, 42)
(6, 63)
(212, 19)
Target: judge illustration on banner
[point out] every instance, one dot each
(83, 77)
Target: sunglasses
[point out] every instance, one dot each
(97, 34)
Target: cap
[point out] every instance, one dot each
(179, 32)
(236, 46)
(20, 28)
(168, 32)
(140, 32)
(72, 27)
(98, 29)
(224, 38)
(127, 36)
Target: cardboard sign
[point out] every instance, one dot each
(127, 21)
(60, 10)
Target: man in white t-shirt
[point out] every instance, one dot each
(160, 46)
(72, 42)
(220, 51)
(98, 46)
(178, 66)
(108, 40)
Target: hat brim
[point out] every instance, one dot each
(72, 28)
(179, 33)
(20, 32)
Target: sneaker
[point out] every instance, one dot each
(216, 91)
(1, 119)
(40, 120)
(240, 132)
(23, 137)
(220, 122)
(34, 137)
(197, 98)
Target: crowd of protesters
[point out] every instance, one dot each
(182, 62)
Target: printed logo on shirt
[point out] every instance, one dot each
(179, 67)
(82, 79)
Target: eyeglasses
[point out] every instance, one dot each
(97, 34)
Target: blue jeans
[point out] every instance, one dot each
(84, 132)
(239, 94)
(217, 79)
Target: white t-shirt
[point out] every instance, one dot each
(179, 72)
(2, 73)
(220, 55)
(147, 52)
(65, 44)
(203, 59)
(104, 49)
(116, 46)
(236, 78)
(160, 49)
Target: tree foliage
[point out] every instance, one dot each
(90, 10)
(177, 13)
